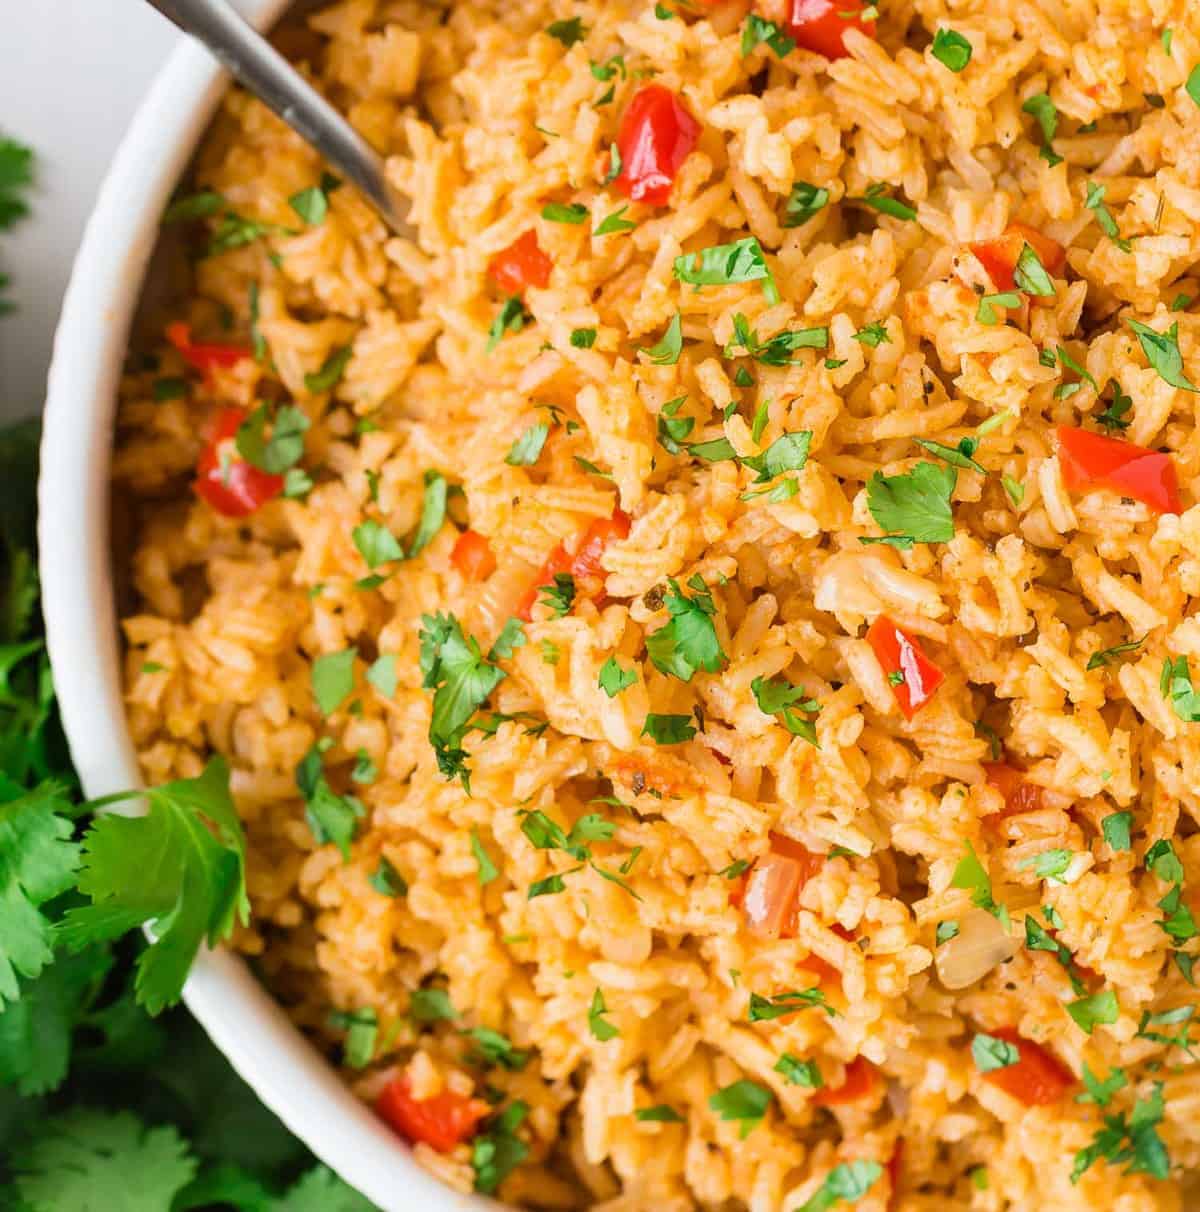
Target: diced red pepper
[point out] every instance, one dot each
(472, 556)
(657, 135)
(860, 1081)
(1037, 1079)
(584, 565)
(224, 479)
(1000, 256)
(443, 1121)
(821, 25)
(519, 265)
(204, 356)
(1019, 794)
(1091, 460)
(912, 675)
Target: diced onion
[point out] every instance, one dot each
(770, 894)
(500, 595)
(979, 946)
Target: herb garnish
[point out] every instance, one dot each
(774, 350)
(744, 1102)
(758, 30)
(848, 1181)
(913, 507)
(1162, 352)
(283, 449)
(780, 698)
(689, 641)
(951, 49)
(667, 351)
(724, 264)
(804, 201)
(1108, 225)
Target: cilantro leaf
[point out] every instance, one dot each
(689, 641)
(1101, 1092)
(1031, 276)
(333, 679)
(1045, 112)
(382, 674)
(376, 544)
(991, 1053)
(662, 1114)
(567, 32)
(986, 313)
(433, 512)
(386, 880)
(331, 817)
(527, 449)
(725, 264)
(774, 351)
(667, 351)
(511, 317)
(1162, 352)
(558, 596)
(1113, 417)
(969, 874)
(668, 729)
(1108, 225)
(330, 373)
(914, 507)
(744, 1102)
(431, 1005)
(797, 1072)
(1116, 827)
(1175, 683)
(312, 204)
(758, 30)
(804, 201)
(571, 212)
(848, 1181)
(956, 456)
(582, 338)
(615, 223)
(1098, 1008)
(16, 175)
(168, 870)
(320, 1190)
(873, 335)
(951, 49)
(285, 447)
(599, 1027)
(764, 1009)
(511, 637)
(497, 1151)
(789, 452)
(780, 698)
(877, 198)
(1108, 656)
(1131, 1138)
(362, 1035)
(613, 679)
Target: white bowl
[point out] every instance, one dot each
(288, 1074)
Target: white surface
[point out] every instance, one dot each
(89, 348)
(73, 73)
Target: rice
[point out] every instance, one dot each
(627, 983)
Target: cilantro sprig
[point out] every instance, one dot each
(689, 641)
(913, 507)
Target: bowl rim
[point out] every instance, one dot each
(246, 1024)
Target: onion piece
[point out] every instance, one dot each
(770, 894)
(498, 597)
(980, 945)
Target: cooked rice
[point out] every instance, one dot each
(486, 118)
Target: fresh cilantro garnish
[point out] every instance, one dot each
(571, 212)
(1129, 1138)
(1094, 1010)
(780, 698)
(179, 869)
(662, 1114)
(568, 32)
(914, 507)
(497, 1151)
(945, 932)
(511, 317)
(333, 679)
(312, 204)
(689, 641)
(16, 176)
(614, 165)
(1179, 925)
(877, 198)
(1175, 682)
(610, 67)
(1100, 1092)
(386, 880)
(797, 1072)
(331, 371)
(614, 223)
(497, 1049)
(764, 1009)
(848, 1181)
(986, 313)
(382, 674)
(1050, 864)
(591, 468)
(804, 201)
(433, 512)
(873, 335)
(362, 1035)
(1162, 352)
(758, 30)
(613, 679)
(667, 351)
(1162, 861)
(559, 596)
(734, 869)
(1045, 113)
(1108, 225)
(454, 668)
(284, 448)
(668, 729)
(599, 1027)
(331, 817)
(1192, 86)
(1108, 656)
(511, 637)
(431, 1005)
(200, 205)
(724, 264)
(744, 1102)
(1014, 488)
(673, 429)
(527, 449)
(376, 544)
(992, 1053)
(1116, 828)
(951, 49)
(486, 868)
(776, 350)
(169, 388)
(956, 456)
(550, 886)
(970, 875)
(1113, 417)
(583, 338)
(1030, 274)
(789, 452)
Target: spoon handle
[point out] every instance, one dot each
(258, 66)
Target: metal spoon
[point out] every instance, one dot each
(258, 66)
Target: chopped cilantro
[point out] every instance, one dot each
(376, 544)
(1108, 225)
(527, 449)
(797, 1072)
(914, 507)
(497, 1151)
(386, 880)
(511, 317)
(877, 198)
(430, 1005)
(557, 212)
(1030, 274)
(986, 313)
(1175, 683)
(1129, 1138)
(668, 729)
(992, 1053)
(613, 679)
(497, 1049)
(559, 597)
(331, 371)
(667, 351)
(744, 1102)
(945, 931)
(382, 674)
(662, 1114)
(1162, 352)
(283, 449)
(583, 338)
(1045, 113)
(758, 30)
(970, 875)
(957, 456)
(847, 1182)
(804, 201)
(774, 351)
(689, 641)
(568, 32)
(951, 49)
(614, 223)
(764, 1009)
(1100, 1092)
(780, 698)
(333, 679)
(724, 264)
(331, 817)
(598, 1025)
(362, 1035)
(1113, 417)
(874, 335)
(1094, 1010)
(1050, 864)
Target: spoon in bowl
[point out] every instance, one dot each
(260, 68)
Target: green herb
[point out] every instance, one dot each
(614, 223)
(1178, 924)
(662, 1114)
(1090, 1012)
(386, 880)
(613, 679)
(775, 350)
(668, 729)
(1181, 302)
(312, 205)
(1113, 417)
(297, 483)
(804, 201)
(376, 544)
(498, 1151)
(758, 30)
(874, 335)
(848, 1181)
(567, 32)
(454, 668)
(780, 698)
(789, 452)
(550, 652)
(527, 449)
(598, 1025)
(331, 371)
(497, 1049)
(743, 378)
(1192, 86)
(235, 231)
(951, 49)
(164, 869)
(744, 1102)
(689, 641)
(433, 512)
(877, 198)
(333, 679)
(1108, 225)
(1162, 861)
(511, 637)
(764, 1009)
(716, 451)
(511, 317)
(583, 338)
(986, 314)
(1130, 1138)
(945, 932)
(1175, 683)
(201, 205)
(1100, 1092)
(1014, 488)
(970, 875)
(559, 597)
(430, 1006)
(1045, 113)
(1108, 656)
(991, 1053)
(362, 1035)
(667, 351)
(797, 1072)
(550, 886)
(673, 429)
(611, 67)
(734, 869)
(1030, 274)
(614, 165)
(331, 817)
(724, 264)
(382, 674)
(957, 456)
(283, 449)
(1162, 352)
(1116, 827)
(571, 212)
(1167, 36)
(1050, 864)
(169, 389)
(914, 507)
